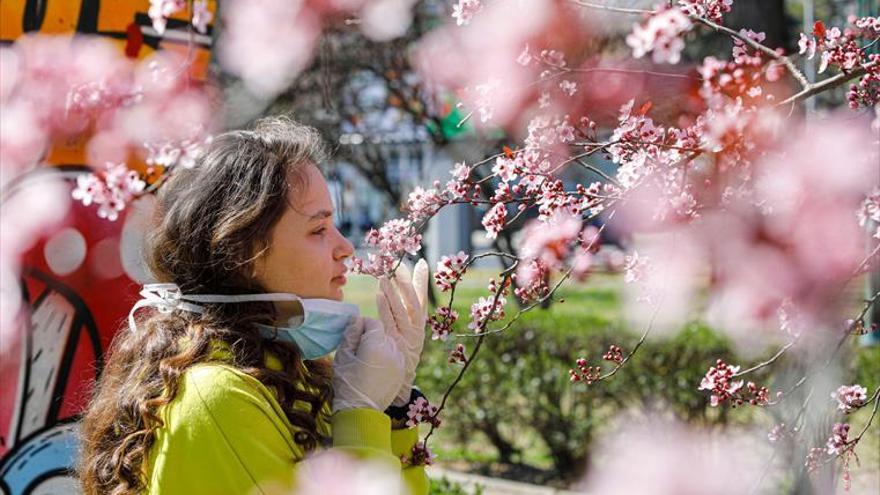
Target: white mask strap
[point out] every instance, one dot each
(167, 298)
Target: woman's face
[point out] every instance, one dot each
(306, 253)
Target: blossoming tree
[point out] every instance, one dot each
(738, 205)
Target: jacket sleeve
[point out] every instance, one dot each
(226, 433)
(402, 442)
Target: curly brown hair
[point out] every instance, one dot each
(213, 221)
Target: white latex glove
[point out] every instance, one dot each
(403, 305)
(368, 369)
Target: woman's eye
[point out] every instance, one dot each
(320, 231)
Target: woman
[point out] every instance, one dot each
(223, 390)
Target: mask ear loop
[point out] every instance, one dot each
(167, 298)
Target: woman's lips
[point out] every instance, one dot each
(340, 279)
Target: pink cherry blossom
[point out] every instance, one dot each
(161, 10)
(486, 309)
(634, 267)
(663, 458)
(533, 276)
(660, 35)
(464, 10)
(250, 47)
(457, 355)
(422, 203)
(494, 220)
(392, 240)
(441, 323)
(449, 270)
(421, 411)
(850, 397)
(713, 10)
(319, 475)
(838, 442)
(110, 189)
(201, 15)
(568, 87)
(869, 211)
(719, 380)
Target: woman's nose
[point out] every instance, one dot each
(345, 248)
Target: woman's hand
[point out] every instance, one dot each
(403, 306)
(369, 367)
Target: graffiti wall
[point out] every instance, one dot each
(79, 281)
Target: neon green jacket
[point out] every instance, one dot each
(225, 432)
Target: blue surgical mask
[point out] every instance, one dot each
(317, 332)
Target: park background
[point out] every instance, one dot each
(516, 415)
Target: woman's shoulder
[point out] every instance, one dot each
(220, 392)
(219, 380)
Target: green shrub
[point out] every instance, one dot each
(444, 486)
(517, 395)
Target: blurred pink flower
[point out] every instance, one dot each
(320, 474)
(384, 20)
(111, 189)
(267, 44)
(161, 10)
(393, 239)
(201, 15)
(30, 211)
(850, 397)
(494, 220)
(661, 34)
(711, 9)
(657, 458)
(464, 10)
(481, 61)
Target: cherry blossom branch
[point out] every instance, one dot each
(795, 72)
(610, 8)
(768, 362)
(875, 398)
(546, 297)
(506, 274)
(812, 89)
(773, 54)
(635, 348)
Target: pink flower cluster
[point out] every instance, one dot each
(641, 147)
(838, 441)
(421, 411)
(719, 381)
(110, 189)
(393, 239)
(869, 211)
(464, 10)
(420, 455)
(494, 220)
(449, 270)
(814, 457)
(850, 397)
(532, 276)
(779, 432)
(548, 244)
(457, 355)
(486, 309)
(713, 10)
(161, 10)
(584, 373)
(183, 152)
(635, 267)
(614, 354)
(842, 49)
(441, 323)
(661, 34)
